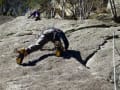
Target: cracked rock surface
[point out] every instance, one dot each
(85, 66)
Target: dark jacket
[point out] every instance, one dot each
(54, 34)
(35, 14)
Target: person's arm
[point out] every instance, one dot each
(65, 41)
(31, 15)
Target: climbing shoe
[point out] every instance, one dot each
(22, 53)
(58, 48)
(58, 53)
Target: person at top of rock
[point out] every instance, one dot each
(35, 14)
(54, 35)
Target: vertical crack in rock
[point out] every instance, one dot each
(107, 38)
(94, 52)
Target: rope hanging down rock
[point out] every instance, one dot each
(115, 88)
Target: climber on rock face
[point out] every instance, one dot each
(35, 14)
(52, 34)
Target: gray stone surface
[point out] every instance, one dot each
(4, 19)
(90, 42)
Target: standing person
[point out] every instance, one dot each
(53, 34)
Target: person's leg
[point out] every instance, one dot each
(37, 18)
(38, 45)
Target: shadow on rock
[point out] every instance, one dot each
(34, 62)
(73, 54)
(66, 55)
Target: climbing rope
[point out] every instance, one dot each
(118, 52)
(115, 86)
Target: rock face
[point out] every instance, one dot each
(90, 42)
(4, 19)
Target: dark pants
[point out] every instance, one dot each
(40, 43)
(37, 18)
